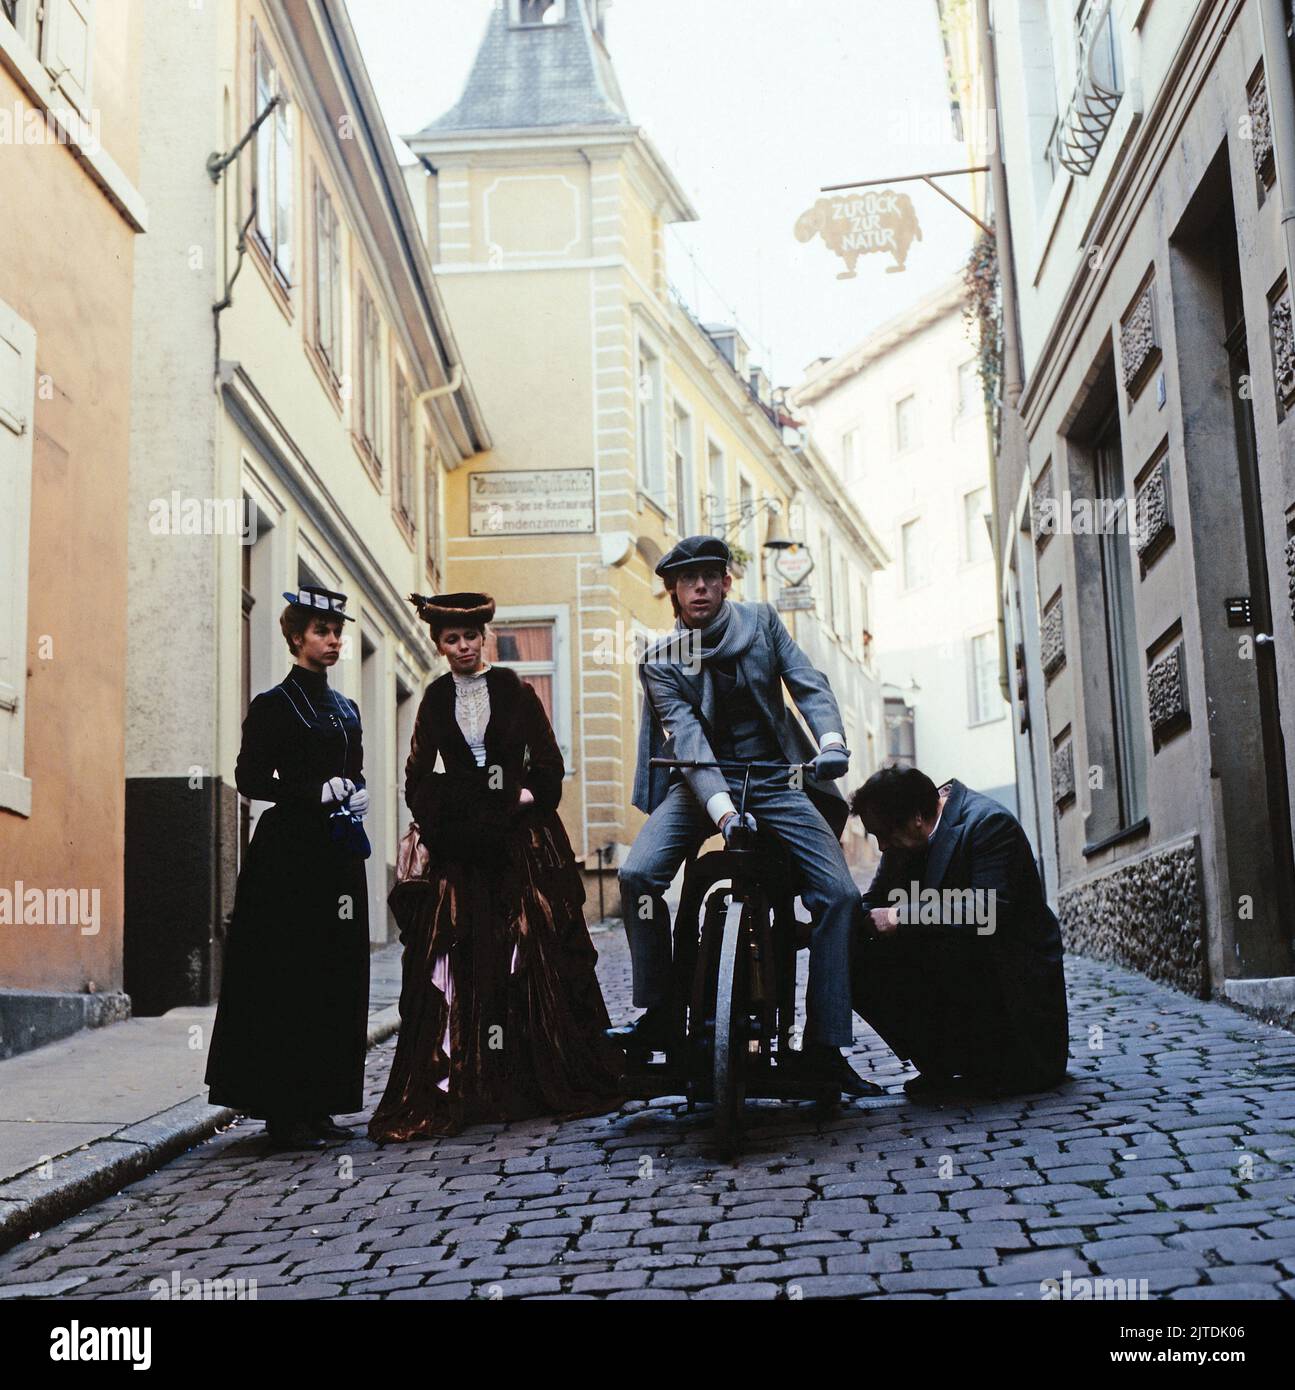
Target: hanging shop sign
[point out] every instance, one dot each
(862, 224)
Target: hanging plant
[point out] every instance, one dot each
(983, 312)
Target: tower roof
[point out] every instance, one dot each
(536, 75)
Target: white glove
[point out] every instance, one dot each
(334, 790)
(358, 805)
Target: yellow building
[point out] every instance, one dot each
(297, 396)
(620, 422)
(69, 187)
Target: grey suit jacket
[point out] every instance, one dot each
(680, 708)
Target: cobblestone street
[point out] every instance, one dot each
(1169, 1157)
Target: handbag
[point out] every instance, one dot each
(412, 858)
(413, 879)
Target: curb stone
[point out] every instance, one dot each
(30, 1203)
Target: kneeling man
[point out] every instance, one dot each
(958, 965)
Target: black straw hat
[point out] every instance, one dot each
(327, 602)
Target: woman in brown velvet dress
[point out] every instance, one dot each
(501, 1016)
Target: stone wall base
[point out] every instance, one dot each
(30, 1018)
(1145, 914)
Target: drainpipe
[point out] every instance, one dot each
(1281, 110)
(455, 381)
(1012, 367)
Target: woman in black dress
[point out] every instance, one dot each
(501, 1017)
(290, 1036)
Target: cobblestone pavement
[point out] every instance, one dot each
(1169, 1157)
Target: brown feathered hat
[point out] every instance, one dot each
(440, 611)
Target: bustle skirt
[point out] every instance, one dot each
(501, 1015)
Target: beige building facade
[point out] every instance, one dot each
(621, 423)
(298, 397)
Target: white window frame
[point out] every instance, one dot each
(915, 441)
(965, 411)
(907, 584)
(998, 708)
(329, 279)
(273, 165)
(750, 535)
(17, 427)
(649, 419)
(559, 615)
(61, 22)
(685, 465)
(851, 461)
(717, 510)
(968, 557)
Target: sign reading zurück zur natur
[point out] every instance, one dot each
(531, 502)
(860, 224)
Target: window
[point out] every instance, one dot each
(370, 383)
(717, 480)
(528, 649)
(61, 33)
(1123, 665)
(328, 282)
(829, 580)
(971, 399)
(986, 699)
(532, 12)
(901, 743)
(913, 553)
(863, 631)
(17, 405)
(850, 456)
(272, 164)
(651, 471)
(906, 423)
(403, 482)
(750, 541)
(683, 471)
(975, 533)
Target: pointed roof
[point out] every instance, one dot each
(537, 75)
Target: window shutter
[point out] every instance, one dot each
(17, 403)
(67, 48)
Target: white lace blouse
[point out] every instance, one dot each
(472, 710)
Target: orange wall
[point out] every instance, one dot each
(66, 269)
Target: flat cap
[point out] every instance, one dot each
(695, 550)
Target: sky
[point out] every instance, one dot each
(754, 104)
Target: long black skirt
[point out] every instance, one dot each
(291, 1027)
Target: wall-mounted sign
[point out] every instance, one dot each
(531, 502)
(794, 563)
(858, 224)
(795, 598)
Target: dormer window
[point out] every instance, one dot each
(532, 13)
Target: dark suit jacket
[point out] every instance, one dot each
(1017, 969)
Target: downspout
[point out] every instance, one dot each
(1012, 367)
(1281, 111)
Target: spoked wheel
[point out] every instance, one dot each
(731, 1014)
